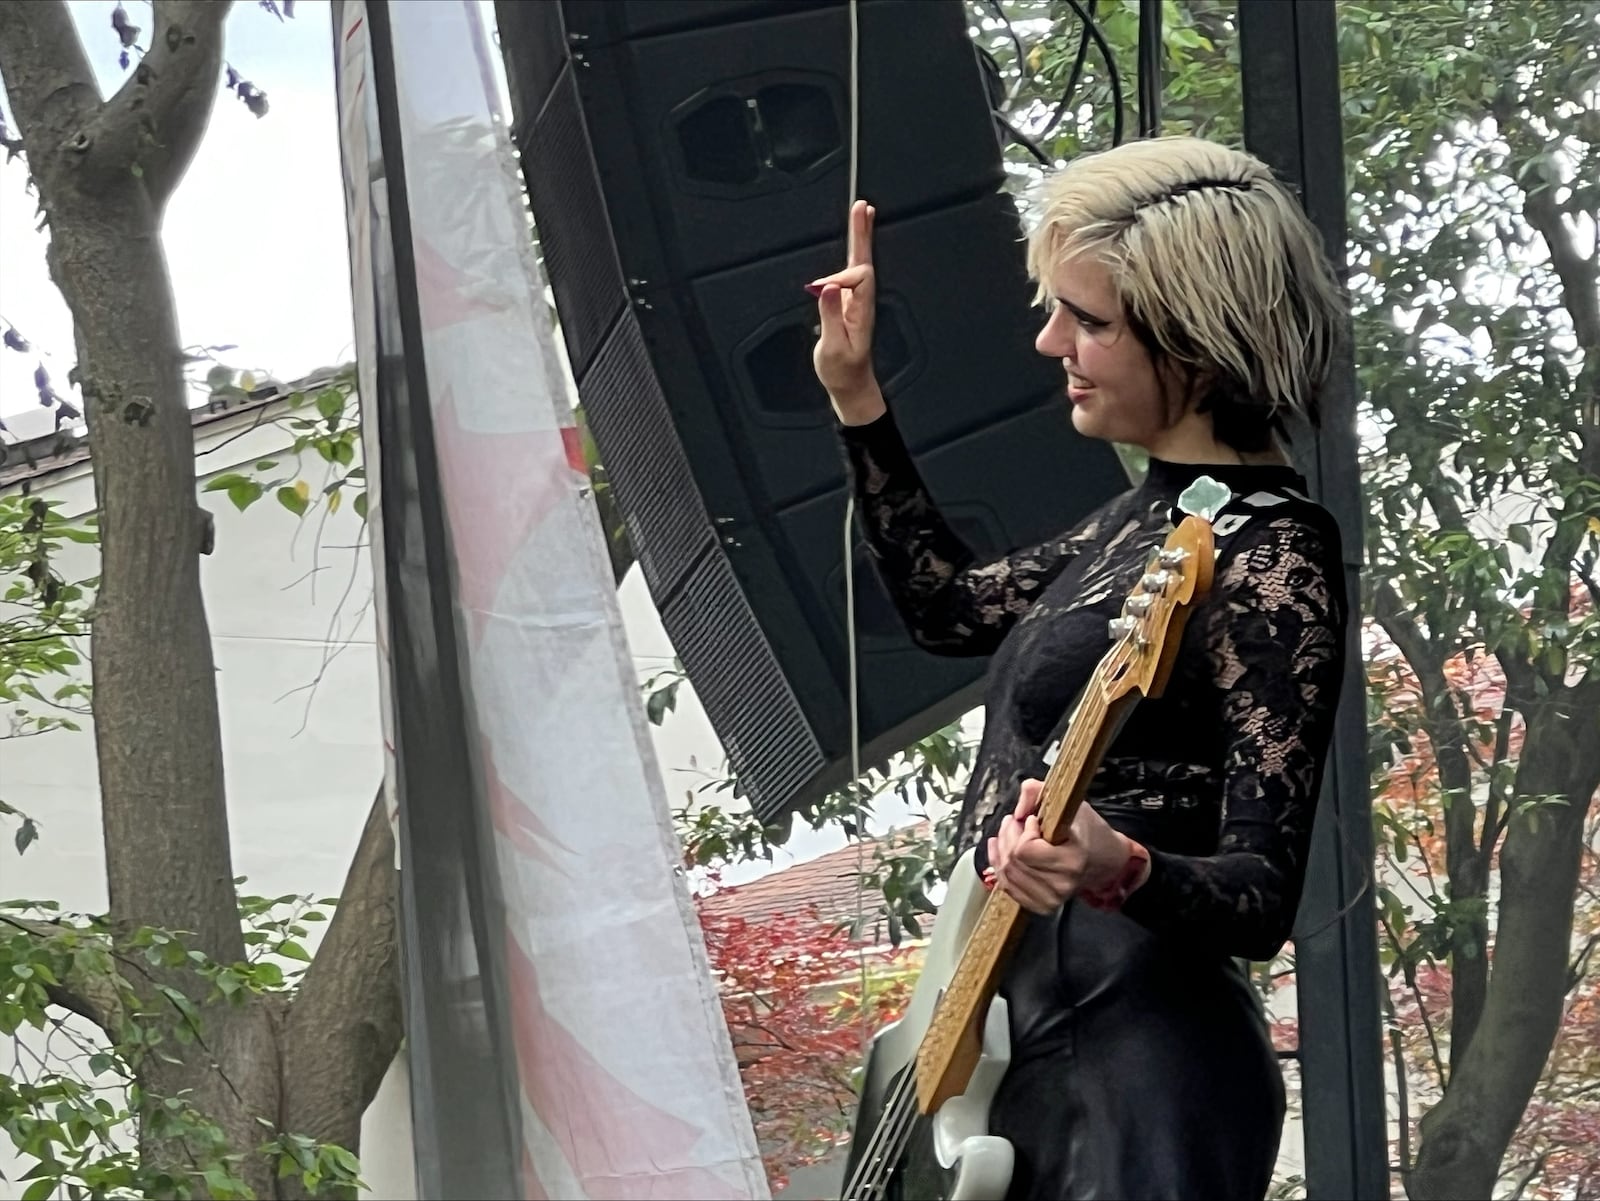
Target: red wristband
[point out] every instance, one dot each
(1119, 890)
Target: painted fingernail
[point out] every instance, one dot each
(814, 289)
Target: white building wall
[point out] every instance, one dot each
(290, 621)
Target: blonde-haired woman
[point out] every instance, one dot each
(1195, 316)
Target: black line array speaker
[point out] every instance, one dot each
(688, 164)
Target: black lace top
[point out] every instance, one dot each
(1219, 776)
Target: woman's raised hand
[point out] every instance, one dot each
(846, 302)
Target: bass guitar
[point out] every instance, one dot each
(921, 1127)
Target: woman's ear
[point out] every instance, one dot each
(1184, 387)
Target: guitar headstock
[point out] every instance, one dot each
(1151, 626)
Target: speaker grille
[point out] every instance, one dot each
(667, 522)
(742, 686)
(574, 229)
(533, 41)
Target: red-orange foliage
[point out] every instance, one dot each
(791, 989)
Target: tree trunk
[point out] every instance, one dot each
(1465, 868)
(1464, 1137)
(346, 1025)
(104, 173)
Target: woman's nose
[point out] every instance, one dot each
(1052, 341)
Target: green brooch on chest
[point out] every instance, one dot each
(1205, 498)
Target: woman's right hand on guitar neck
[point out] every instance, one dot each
(846, 303)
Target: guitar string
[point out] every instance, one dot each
(877, 1162)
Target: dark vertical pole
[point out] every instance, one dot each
(1289, 59)
(464, 1110)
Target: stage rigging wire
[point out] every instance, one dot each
(1149, 68)
(850, 581)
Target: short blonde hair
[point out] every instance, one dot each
(1218, 268)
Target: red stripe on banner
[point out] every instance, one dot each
(619, 1146)
(444, 293)
(572, 439)
(499, 486)
(516, 820)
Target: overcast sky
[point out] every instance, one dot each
(254, 237)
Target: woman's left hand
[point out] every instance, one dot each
(1039, 875)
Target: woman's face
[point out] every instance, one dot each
(1111, 380)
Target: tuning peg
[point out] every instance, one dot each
(1139, 605)
(1120, 627)
(1173, 558)
(1155, 581)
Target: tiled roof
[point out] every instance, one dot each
(827, 882)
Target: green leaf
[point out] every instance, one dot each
(292, 500)
(361, 506)
(293, 950)
(27, 834)
(660, 703)
(330, 402)
(244, 494)
(40, 1189)
(223, 1183)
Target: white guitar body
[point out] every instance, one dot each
(976, 1165)
(896, 1154)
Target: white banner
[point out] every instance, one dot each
(629, 1087)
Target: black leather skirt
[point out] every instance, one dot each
(1138, 1070)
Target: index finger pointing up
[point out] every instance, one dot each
(860, 242)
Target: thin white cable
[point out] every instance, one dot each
(850, 581)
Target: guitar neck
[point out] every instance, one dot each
(1137, 664)
(950, 1048)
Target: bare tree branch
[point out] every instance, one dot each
(48, 80)
(1390, 611)
(92, 997)
(1522, 1185)
(153, 123)
(344, 1029)
(1465, 865)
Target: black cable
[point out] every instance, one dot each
(1149, 64)
(1104, 47)
(1022, 59)
(1074, 76)
(993, 85)
(1023, 140)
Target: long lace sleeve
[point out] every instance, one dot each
(951, 604)
(1276, 639)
